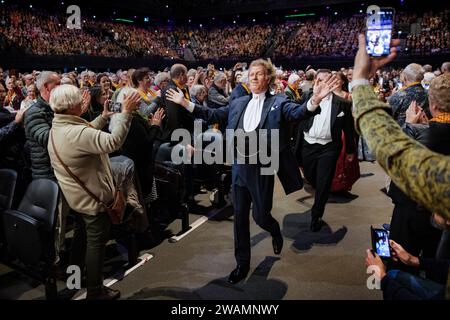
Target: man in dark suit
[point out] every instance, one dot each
(260, 110)
(176, 117)
(320, 142)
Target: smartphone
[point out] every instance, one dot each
(380, 242)
(115, 106)
(379, 31)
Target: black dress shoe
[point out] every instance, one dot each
(238, 274)
(277, 243)
(316, 224)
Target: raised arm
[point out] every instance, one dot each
(202, 112)
(295, 112)
(420, 173)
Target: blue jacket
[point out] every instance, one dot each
(277, 112)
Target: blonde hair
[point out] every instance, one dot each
(65, 97)
(439, 92)
(270, 70)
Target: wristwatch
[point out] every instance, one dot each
(357, 82)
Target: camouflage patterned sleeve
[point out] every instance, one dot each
(422, 174)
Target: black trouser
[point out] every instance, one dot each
(91, 233)
(260, 193)
(319, 166)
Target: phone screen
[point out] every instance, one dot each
(381, 243)
(379, 32)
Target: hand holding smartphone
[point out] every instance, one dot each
(380, 243)
(379, 30)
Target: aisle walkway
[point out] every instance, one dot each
(324, 265)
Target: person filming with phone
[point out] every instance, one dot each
(401, 285)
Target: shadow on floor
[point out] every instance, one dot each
(256, 287)
(296, 227)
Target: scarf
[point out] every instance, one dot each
(297, 95)
(185, 91)
(443, 117)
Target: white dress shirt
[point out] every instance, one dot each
(252, 115)
(320, 131)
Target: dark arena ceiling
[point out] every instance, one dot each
(176, 9)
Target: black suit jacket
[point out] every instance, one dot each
(338, 124)
(277, 112)
(176, 116)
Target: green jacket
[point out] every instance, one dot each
(38, 122)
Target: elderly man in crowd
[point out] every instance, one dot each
(198, 94)
(412, 90)
(292, 89)
(445, 68)
(217, 96)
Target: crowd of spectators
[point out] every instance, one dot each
(37, 32)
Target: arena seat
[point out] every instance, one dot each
(30, 234)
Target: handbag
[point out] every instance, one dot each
(115, 209)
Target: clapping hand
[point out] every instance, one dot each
(130, 102)
(157, 117)
(86, 101)
(415, 114)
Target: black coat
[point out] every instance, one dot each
(138, 146)
(435, 137)
(176, 116)
(338, 124)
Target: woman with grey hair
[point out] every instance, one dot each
(198, 94)
(80, 149)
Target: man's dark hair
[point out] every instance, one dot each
(177, 70)
(139, 75)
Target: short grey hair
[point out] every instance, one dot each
(160, 77)
(428, 76)
(66, 80)
(445, 67)
(427, 68)
(191, 73)
(219, 76)
(414, 72)
(65, 97)
(196, 89)
(43, 78)
(293, 78)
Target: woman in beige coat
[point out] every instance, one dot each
(84, 149)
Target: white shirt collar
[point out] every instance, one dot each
(258, 96)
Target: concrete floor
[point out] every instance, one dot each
(324, 265)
